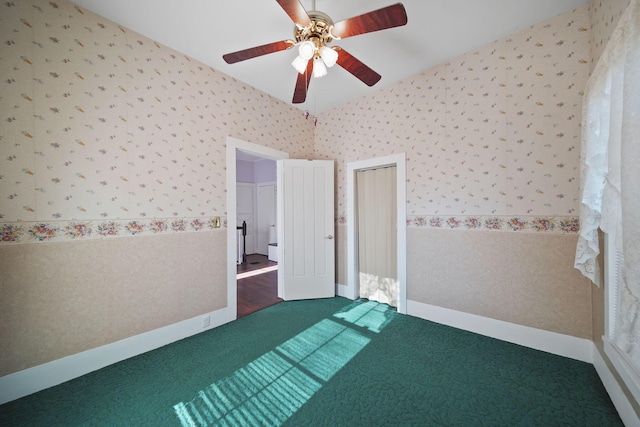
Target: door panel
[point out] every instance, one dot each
(308, 261)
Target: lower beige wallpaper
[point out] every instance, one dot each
(522, 278)
(63, 298)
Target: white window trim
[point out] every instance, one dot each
(626, 369)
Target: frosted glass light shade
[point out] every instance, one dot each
(300, 64)
(306, 50)
(329, 56)
(319, 69)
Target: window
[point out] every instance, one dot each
(610, 189)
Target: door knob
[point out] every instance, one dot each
(329, 237)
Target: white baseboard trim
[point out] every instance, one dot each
(28, 381)
(618, 397)
(625, 368)
(550, 342)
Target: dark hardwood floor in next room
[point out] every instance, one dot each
(257, 284)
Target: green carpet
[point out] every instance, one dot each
(329, 362)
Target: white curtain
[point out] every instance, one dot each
(611, 171)
(377, 234)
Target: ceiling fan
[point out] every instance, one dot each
(313, 32)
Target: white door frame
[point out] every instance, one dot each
(398, 160)
(234, 144)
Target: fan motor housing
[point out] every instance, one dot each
(320, 29)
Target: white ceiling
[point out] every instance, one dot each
(437, 31)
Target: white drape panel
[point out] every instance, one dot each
(611, 171)
(376, 215)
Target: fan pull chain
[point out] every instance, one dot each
(315, 104)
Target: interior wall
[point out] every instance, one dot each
(265, 171)
(605, 15)
(244, 171)
(492, 140)
(485, 273)
(58, 301)
(113, 134)
(341, 254)
(256, 172)
(113, 172)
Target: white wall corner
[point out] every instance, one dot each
(538, 339)
(32, 380)
(618, 397)
(343, 291)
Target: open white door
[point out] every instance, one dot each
(306, 228)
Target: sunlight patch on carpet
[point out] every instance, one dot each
(370, 314)
(324, 348)
(269, 390)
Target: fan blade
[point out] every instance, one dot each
(296, 12)
(302, 84)
(381, 19)
(357, 68)
(241, 55)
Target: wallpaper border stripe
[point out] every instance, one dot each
(537, 224)
(512, 223)
(57, 231)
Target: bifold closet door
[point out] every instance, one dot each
(376, 219)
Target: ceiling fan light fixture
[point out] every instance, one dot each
(319, 69)
(300, 64)
(329, 56)
(313, 31)
(307, 49)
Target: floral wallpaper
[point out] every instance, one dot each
(605, 15)
(21, 232)
(105, 132)
(492, 138)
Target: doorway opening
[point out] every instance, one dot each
(257, 284)
(252, 284)
(398, 226)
